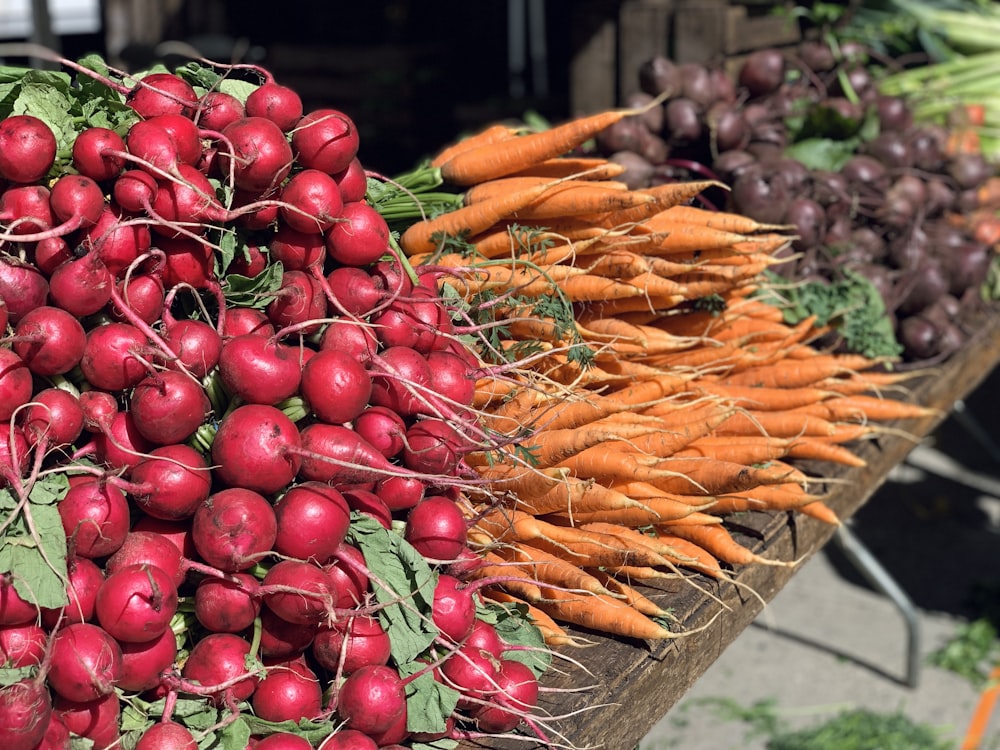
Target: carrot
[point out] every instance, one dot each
(797, 373)
(586, 287)
(603, 614)
(787, 424)
(687, 238)
(667, 195)
(425, 236)
(805, 448)
(509, 577)
(552, 632)
(680, 432)
(713, 476)
(493, 160)
(719, 542)
(653, 510)
(512, 241)
(729, 222)
(521, 278)
(762, 398)
(576, 496)
(546, 568)
(493, 188)
(631, 596)
(745, 449)
(687, 554)
(820, 511)
(549, 447)
(618, 262)
(491, 134)
(981, 714)
(521, 479)
(596, 168)
(861, 407)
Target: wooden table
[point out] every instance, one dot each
(633, 685)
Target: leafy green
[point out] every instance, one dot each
(971, 652)
(822, 137)
(514, 627)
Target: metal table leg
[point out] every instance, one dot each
(866, 563)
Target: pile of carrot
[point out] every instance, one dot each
(671, 398)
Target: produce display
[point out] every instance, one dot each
(820, 137)
(300, 455)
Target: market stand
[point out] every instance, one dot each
(629, 686)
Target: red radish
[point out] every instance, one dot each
(296, 250)
(13, 453)
(85, 578)
(111, 358)
(142, 296)
(51, 253)
(75, 200)
(313, 519)
(517, 695)
(262, 157)
(383, 428)
(400, 381)
(184, 133)
(298, 300)
(485, 637)
(436, 527)
(86, 662)
(364, 501)
(348, 739)
(433, 446)
(81, 286)
(471, 672)
(256, 210)
(25, 712)
(143, 664)
(95, 517)
(162, 93)
(259, 370)
(22, 287)
(250, 263)
(261, 437)
(177, 533)
(134, 190)
(171, 482)
(283, 741)
(299, 592)
(366, 643)
(371, 699)
(96, 722)
(22, 645)
(349, 574)
(149, 548)
(395, 278)
(361, 236)
(120, 446)
(280, 104)
(25, 209)
(227, 605)
(353, 181)
(185, 201)
(452, 378)
(136, 603)
(243, 320)
(218, 664)
(27, 148)
(166, 735)
(396, 733)
(289, 691)
(418, 321)
(454, 608)
(15, 383)
(336, 386)
(216, 109)
(281, 639)
(325, 139)
(401, 493)
(311, 202)
(99, 408)
(233, 529)
(114, 241)
(14, 610)
(187, 261)
(169, 406)
(57, 735)
(196, 343)
(337, 454)
(356, 291)
(91, 157)
(350, 337)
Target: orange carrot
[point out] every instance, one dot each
(576, 496)
(603, 614)
(820, 511)
(653, 510)
(552, 632)
(631, 596)
(981, 714)
(510, 577)
(729, 222)
(745, 449)
(549, 447)
(521, 479)
(687, 554)
(861, 407)
(596, 168)
(547, 568)
(719, 542)
(491, 134)
(508, 156)
(787, 424)
(493, 188)
(798, 373)
(667, 195)
(762, 398)
(813, 449)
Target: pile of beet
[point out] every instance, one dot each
(803, 137)
(232, 422)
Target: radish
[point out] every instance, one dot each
(25, 209)
(136, 602)
(453, 378)
(13, 453)
(261, 437)
(143, 664)
(27, 148)
(216, 109)
(289, 691)
(187, 260)
(120, 446)
(162, 93)
(115, 241)
(325, 139)
(141, 297)
(348, 739)
(279, 104)
(250, 263)
(349, 574)
(227, 605)
(217, 665)
(338, 455)
(299, 592)
(14, 610)
(436, 528)
(357, 292)
(283, 741)
(418, 321)
(296, 250)
(361, 236)
(400, 379)
(243, 320)
(336, 386)
(281, 639)
(352, 181)
(22, 287)
(134, 190)
(25, 712)
(86, 662)
(454, 608)
(148, 548)
(186, 202)
(57, 735)
(364, 501)
(234, 529)
(433, 446)
(371, 699)
(262, 157)
(166, 735)
(484, 637)
(400, 493)
(184, 133)
(473, 673)
(85, 578)
(311, 202)
(196, 343)
(298, 300)
(168, 407)
(383, 428)
(95, 722)
(350, 644)
(178, 533)
(16, 385)
(263, 214)
(81, 286)
(111, 357)
(99, 408)
(171, 482)
(313, 519)
(516, 695)
(22, 645)
(259, 370)
(90, 154)
(350, 337)
(95, 517)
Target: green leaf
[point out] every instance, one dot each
(822, 153)
(233, 736)
(198, 75)
(514, 627)
(428, 702)
(314, 731)
(240, 89)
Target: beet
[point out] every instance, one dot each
(758, 196)
(762, 72)
(659, 75)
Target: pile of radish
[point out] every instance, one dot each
(232, 421)
(803, 136)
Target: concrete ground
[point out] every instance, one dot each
(830, 641)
